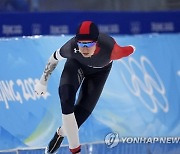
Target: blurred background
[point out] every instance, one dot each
(88, 5)
(56, 17)
(141, 97)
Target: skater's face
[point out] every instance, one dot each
(86, 48)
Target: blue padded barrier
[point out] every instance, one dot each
(140, 98)
(57, 23)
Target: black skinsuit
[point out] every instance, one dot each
(89, 74)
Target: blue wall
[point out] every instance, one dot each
(141, 96)
(28, 24)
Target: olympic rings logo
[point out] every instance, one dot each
(145, 83)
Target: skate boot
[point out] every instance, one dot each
(76, 150)
(54, 144)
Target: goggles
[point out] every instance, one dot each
(86, 44)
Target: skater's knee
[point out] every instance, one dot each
(67, 95)
(81, 114)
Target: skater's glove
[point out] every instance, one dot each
(40, 89)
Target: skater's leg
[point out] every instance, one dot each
(90, 92)
(70, 81)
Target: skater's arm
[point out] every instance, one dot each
(50, 66)
(41, 87)
(119, 52)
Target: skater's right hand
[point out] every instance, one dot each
(40, 89)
